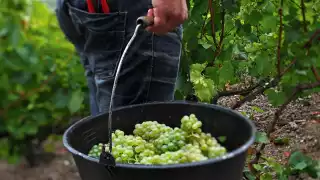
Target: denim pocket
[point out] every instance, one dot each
(104, 39)
(66, 24)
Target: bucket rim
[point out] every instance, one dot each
(229, 155)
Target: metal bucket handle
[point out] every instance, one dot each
(106, 158)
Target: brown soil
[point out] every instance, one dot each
(298, 123)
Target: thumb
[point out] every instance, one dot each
(150, 13)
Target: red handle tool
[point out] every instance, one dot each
(104, 4)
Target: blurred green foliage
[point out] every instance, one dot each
(42, 81)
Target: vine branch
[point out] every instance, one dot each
(288, 68)
(254, 94)
(303, 12)
(204, 24)
(248, 92)
(212, 14)
(242, 92)
(308, 44)
(219, 48)
(314, 71)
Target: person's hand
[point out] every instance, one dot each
(168, 14)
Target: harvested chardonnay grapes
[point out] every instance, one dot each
(153, 143)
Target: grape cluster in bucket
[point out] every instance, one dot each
(157, 144)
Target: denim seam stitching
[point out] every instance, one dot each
(122, 46)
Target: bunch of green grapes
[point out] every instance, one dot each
(145, 150)
(193, 153)
(170, 141)
(186, 154)
(124, 147)
(191, 124)
(154, 143)
(173, 157)
(150, 130)
(216, 151)
(207, 144)
(96, 150)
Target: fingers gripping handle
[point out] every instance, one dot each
(145, 21)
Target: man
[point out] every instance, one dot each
(150, 68)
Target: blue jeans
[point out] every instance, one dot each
(150, 69)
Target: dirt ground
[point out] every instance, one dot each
(299, 123)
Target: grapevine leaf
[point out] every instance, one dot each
(275, 97)
(269, 23)
(212, 73)
(4, 82)
(254, 17)
(266, 176)
(258, 167)
(261, 137)
(300, 165)
(257, 109)
(204, 44)
(226, 73)
(264, 64)
(76, 101)
(204, 87)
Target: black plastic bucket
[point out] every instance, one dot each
(218, 121)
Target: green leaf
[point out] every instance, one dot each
(297, 157)
(291, 35)
(30, 128)
(264, 65)
(212, 73)
(254, 17)
(258, 167)
(15, 36)
(257, 109)
(261, 137)
(248, 174)
(226, 73)
(205, 90)
(266, 176)
(269, 23)
(276, 97)
(61, 100)
(204, 44)
(4, 79)
(282, 141)
(204, 87)
(300, 165)
(76, 101)
(178, 95)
